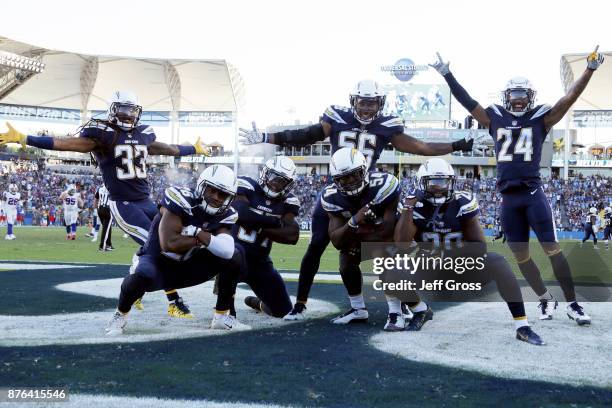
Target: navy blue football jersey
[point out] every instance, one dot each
(442, 226)
(184, 203)
(253, 242)
(518, 146)
(122, 158)
(369, 139)
(382, 190)
(607, 220)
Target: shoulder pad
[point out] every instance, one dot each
(145, 129)
(180, 198)
(467, 203)
(292, 200)
(540, 111)
(392, 121)
(496, 109)
(95, 124)
(334, 113)
(246, 182)
(229, 217)
(327, 199)
(390, 186)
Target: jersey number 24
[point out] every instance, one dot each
(524, 144)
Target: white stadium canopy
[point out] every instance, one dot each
(598, 94)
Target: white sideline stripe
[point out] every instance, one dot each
(108, 401)
(152, 324)
(329, 277)
(29, 266)
(572, 355)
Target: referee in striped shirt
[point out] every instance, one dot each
(106, 218)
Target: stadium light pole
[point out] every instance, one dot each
(235, 126)
(566, 146)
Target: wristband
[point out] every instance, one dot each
(42, 142)
(186, 150)
(351, 223)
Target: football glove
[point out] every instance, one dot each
(440, 65)
(249, 137)
(12, 136)
(595, 59)
(472, 141)
(201, 148)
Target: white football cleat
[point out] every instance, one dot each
(395, 322)
(352, 316)
(575, 312)
(297, 313)
(117, 324)
(223, 321)
(547, 307)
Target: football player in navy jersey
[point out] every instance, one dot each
(120, 145)
(190, 242)
(445, 224)
(267, 211)
(361, 207)
(364, 127)
(590, 227)
(607, 224)
(518, 129)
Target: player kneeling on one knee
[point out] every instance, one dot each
(190, 243)
(445, 225)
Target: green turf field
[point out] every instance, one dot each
(49, 244)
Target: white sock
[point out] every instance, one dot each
(357, 302)
(518, 323)
(546, 296)
(420, 307)
(395, 305)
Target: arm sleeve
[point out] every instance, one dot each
(221, 245)
(460, 93)
(299, 137)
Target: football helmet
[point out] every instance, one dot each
(217, 186)
(12, 188)
(367, 101)
(607, 210)
(349, 171)
(593, 210)
(277, 177)
(518, 96)
(124, 110)
(71, 188)
(436, 181)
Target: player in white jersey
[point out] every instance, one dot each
(71, 199)
(11, 199)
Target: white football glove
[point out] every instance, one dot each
(595, 59)
(440, 65)
(249, 137)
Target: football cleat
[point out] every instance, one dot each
(395, 322)
(179, 309)
(547, 307)
(94, 238)
(138, 304)
(419, 319)
(117, 324)
(575, 312)
(352, 316)
(297, 313)
(223, 321)
(9, 237)
(89, 235)
(406, 312)
(253, 302)
(529, 336)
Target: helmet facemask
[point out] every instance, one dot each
(124, 115)
(367, 109)
(215, 199)
(438, 190)
(517, 101)
(352, 182)
(274, 184)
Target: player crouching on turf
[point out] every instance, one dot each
(445, 224)
(189, 243)
(267, 211)
(361, 207)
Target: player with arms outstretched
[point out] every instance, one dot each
(11, 200)
(121, 145)
(361, 126)
(519, 129)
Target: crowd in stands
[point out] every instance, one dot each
(40, 189)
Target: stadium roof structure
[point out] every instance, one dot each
(597, 95)
(85, 82)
